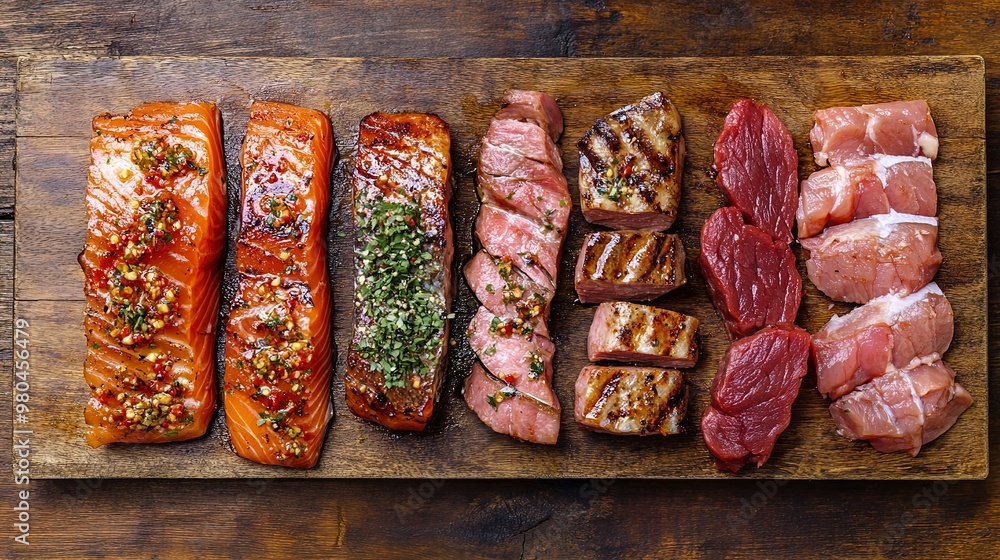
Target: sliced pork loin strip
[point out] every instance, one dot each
(751, 278)
(840, 194)
(506, 291)
(534, 107)
(903, 410)
(521, 226)
(629, 266)
(888, 331)
(507, 411)
(885, 254)
(899, 128)
(758, 167)
(532, 250)
(629, 332)
(752, 395)
(515, 354)
(627, 400)
(631, 164)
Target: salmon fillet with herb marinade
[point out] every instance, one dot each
(156, 233)
(278, 349)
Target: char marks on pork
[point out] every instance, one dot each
(627, 400)
(629, 332)
(629, 266)
(631, 164)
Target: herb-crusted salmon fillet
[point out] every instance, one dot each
(403, 278)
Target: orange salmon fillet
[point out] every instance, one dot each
(156, 213)
(278, 349)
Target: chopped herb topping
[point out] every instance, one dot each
(491, 350)
(537, 367)
(162, 163)
(405, 315)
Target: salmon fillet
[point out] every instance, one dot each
(156, 232)
(403, 254)
(278, 349)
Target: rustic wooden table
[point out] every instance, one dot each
(596, 518)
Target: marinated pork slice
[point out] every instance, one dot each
(526, 243)
(629, 332)
(279, 361)
(515, 354)
(506, 291)
(903, 410)
(885, 254)
(887, 332)
(629, 266)
(534, 107)
(631, 165)
(546, 201)
(631, 400)
(521, 227)
(752, 395)
(899, 128)
(840, 194)
(751, 278)
(508, 411)
(403, 284)
(152, 263)
(758, 167)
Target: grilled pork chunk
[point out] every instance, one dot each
(629, 266)
(628, 332)
(631, 400)
(403, 253)
(631, 164)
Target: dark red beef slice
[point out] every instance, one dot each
(758, 168)
(751, 278)
(752, 395)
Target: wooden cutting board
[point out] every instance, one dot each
(57, 97)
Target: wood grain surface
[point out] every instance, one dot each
(91, 518)
(53, 128)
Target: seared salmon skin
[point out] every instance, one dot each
(403, 279)
(156, 233)
(278, 351)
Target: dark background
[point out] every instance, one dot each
(413, 518)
